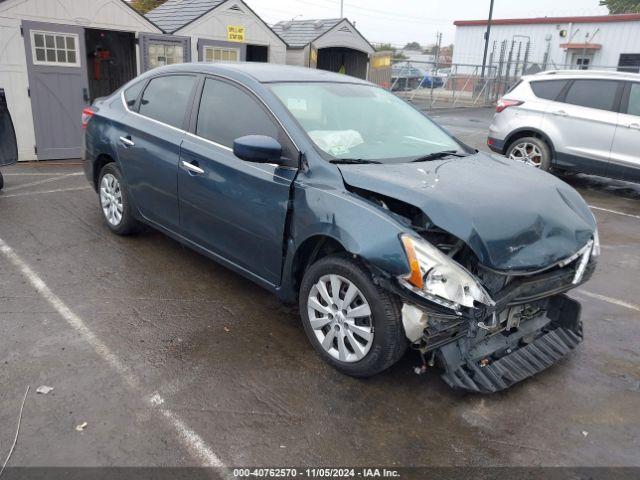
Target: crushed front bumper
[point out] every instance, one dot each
(499, 361)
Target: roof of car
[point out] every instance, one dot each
(266, 72)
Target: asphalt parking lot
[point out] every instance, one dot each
(172, 360)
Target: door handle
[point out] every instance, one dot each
(561, 113)
(127, 141)
(634, 126)
(192, 168)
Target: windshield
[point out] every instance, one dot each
(363, 122)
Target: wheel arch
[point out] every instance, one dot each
(99, 163)
(529, 132)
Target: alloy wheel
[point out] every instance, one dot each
(340, 317)
(528, 153)
(111, 199)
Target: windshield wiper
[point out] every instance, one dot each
(354, 161)
(437, 155)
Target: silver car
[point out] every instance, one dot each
(582, 121)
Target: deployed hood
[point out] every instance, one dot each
(513, 216)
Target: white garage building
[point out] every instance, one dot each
(328, 44)
(58, 55)
(607, 41)
(220, 30)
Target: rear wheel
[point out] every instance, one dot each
(114, 201)
(354, 325)
(531, 150)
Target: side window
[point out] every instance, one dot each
(548, 89)
(132, 93)
(166, 99)
(598, 94)
(634, 100)
(227, 112)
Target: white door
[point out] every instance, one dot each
(585, 121)
(625, 153)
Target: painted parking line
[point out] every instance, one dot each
(188, 437)
(612, 301)
(43, 192)
(614, 211)
(42, 182)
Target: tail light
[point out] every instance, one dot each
(504, 104)
(87, 114)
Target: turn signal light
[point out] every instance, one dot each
(415, 274)
(503, 104)
(87, 114)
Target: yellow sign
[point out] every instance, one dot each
(235, 33)
(382, 61)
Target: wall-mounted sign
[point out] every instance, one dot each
(235, 33)
(381, 61)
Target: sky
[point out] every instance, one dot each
(401, 21)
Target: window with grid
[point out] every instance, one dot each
(60, 49)
(221, 54)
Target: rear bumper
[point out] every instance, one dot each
(506, 360)
(496, 145)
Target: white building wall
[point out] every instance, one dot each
(615, 37)
(298, 56)
(214, 27)
(338, 38)
(102, 14)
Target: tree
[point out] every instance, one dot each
(143, 6)
(621, 6)
(412, 46)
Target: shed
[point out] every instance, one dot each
(56, 56)
(220, 30)
(329, 44)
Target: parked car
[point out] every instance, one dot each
(581, 121)
(334, 193)
(8, 143)
(407, 77)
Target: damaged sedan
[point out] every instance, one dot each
(336, 195)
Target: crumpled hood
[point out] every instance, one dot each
(513, 216)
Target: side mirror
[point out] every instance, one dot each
(8, 143)
(258, 149)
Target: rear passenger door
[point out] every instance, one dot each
(149, 145)
(584, 120)
(233, 208)
(625, 153)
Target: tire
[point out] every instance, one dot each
(112, 191)
(534, 149)
(370, 355)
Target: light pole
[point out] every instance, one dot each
(486, 39)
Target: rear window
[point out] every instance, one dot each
(599, 94)
(131, 94)
(548, 89)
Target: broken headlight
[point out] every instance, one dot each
(439, 278)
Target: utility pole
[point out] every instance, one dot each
(341, 8)
(437, 50)
(486, 39)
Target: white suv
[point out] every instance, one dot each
(582, 121)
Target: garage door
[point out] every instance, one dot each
(58, 87)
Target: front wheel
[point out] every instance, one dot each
(354, 325)
(531, 150)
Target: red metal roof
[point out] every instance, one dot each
(631, 17)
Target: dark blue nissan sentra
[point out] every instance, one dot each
(336, 194)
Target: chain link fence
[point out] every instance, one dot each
(430, 85)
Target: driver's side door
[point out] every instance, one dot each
(234, 209)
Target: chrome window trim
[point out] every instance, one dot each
(205, 139)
